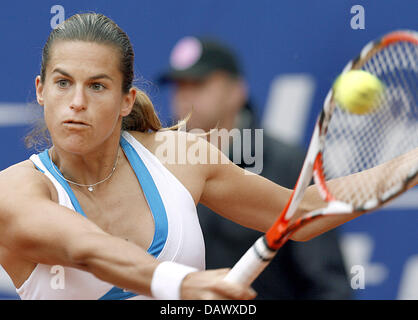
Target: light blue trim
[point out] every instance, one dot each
(153, 197)
(157, 209)
(117, 294)
(44, 157)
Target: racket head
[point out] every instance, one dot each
(351, 143)
(342, 143)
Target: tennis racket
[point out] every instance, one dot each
(375, 153)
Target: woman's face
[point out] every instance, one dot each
(82, 95)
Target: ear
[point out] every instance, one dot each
(128, 102)
(39, 90)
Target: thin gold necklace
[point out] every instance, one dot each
(90, 187)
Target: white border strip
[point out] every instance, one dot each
(16, 114)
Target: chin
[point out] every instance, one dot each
(72, 143)
(82, 141)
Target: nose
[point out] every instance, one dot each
(79, 100)
(185, 94)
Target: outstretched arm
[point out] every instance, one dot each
(39, 230)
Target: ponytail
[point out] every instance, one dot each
(143, 117)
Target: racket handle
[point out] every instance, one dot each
(252, 263)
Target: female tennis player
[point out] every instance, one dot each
(103, 204)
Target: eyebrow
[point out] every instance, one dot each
(95, 77)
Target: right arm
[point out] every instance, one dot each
(42, 231)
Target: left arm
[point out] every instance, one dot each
(252, 200)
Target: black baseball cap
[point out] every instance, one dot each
(194, 58)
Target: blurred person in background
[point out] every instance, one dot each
(208, 82)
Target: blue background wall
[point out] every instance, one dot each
(272, 38)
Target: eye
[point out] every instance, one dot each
(63, 83)
(97, 86)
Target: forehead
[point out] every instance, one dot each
(84, 58)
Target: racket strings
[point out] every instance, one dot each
(354, 143)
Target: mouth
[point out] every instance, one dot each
(75, 123)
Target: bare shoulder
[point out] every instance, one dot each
(23, 178)
(24, 169)
(190, 157)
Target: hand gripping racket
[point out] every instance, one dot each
(375, 153)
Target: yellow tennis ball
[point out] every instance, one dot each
(358, 91)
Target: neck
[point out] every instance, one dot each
(89, 167)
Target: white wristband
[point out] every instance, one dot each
(167, 279)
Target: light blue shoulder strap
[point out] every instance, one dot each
(158, 211)
(46, 161)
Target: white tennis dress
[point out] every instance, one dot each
(177, 237)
